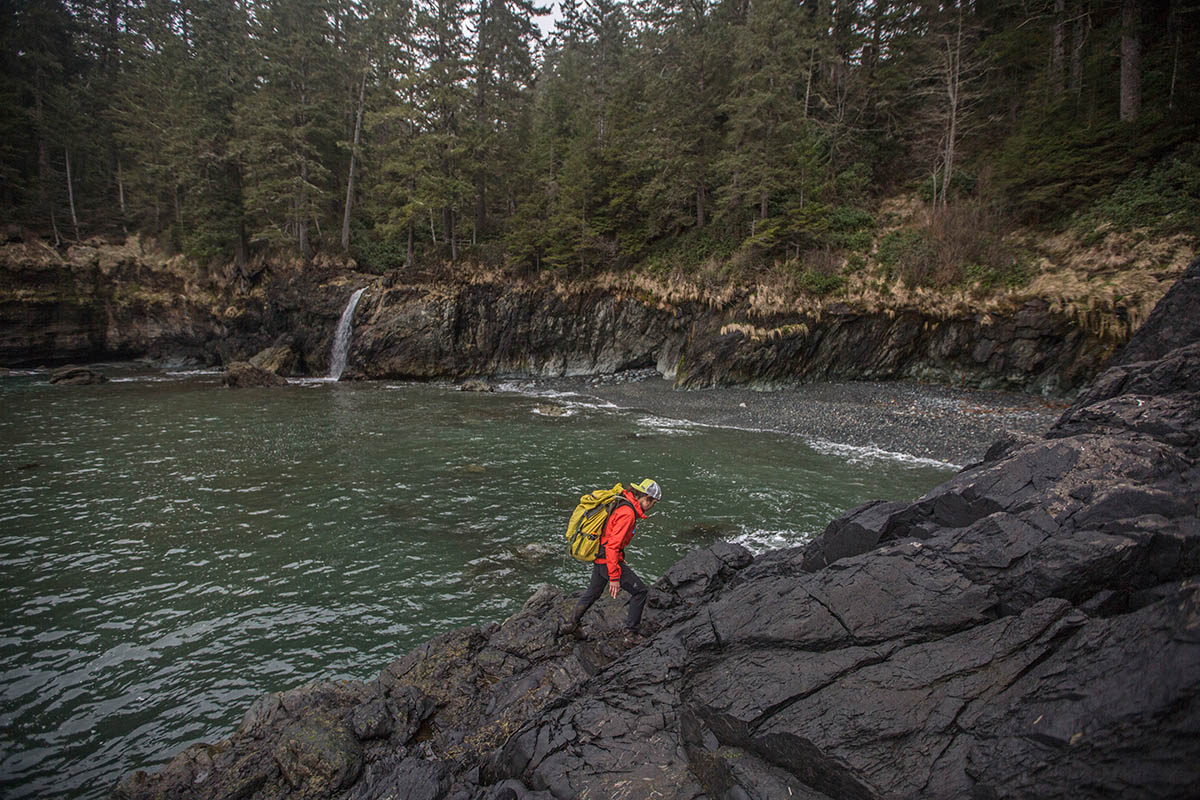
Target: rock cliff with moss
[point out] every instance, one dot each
(98, 301)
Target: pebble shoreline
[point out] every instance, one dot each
(942, 423)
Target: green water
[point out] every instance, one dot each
(170, 549)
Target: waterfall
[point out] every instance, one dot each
(341, 339)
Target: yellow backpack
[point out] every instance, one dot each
(587, 521)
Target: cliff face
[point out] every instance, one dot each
(1030, 348)
(100, 302)
(488, 328)
(108, 302)
(1031, 628)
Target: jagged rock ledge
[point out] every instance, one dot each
(1030, 628)
(488, 328)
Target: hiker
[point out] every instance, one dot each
(610, 568)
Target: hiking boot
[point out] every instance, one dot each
(570, 628)
(632, 638)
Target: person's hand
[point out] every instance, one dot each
(613, 588)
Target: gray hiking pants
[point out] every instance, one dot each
(630, 582)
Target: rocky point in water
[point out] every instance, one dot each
(241, 374)
(1031, 628)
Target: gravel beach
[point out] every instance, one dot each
(942, 423)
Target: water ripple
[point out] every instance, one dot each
(176, 549)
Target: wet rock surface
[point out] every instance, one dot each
(76, 376)
(280, 359)
(1030, 628)
(242, 374)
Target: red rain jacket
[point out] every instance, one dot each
(618, 530)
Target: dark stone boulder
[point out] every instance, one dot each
(76, 376)
(242, 374)
(281, 359)
(319, 757)
(314, 741)
(700, 574)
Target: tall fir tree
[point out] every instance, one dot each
(291, 123)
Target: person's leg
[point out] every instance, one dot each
(636, 587)
(596, 586)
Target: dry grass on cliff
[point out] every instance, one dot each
(1108, 288)
(1108, 285)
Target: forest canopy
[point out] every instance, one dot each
(661, 133)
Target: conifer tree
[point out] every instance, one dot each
(438, 171)
(688, 47)
(773, 53)
(506, 38)
(214, 77)
(291, 123)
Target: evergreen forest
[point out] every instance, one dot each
(651, 134)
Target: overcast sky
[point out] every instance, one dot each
(546, 23)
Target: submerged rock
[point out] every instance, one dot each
(76, 376)
(1030, 628)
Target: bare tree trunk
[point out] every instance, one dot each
(120, 189)
(302, 212)
(953, 100)
(1058, 52)
(448, 232)
(362, 98)
(1131, 61)
(812, 54)
(480, 205)
(71, 194)
(1079, 32)
(45, 195)
(483, 74)
(878, 12)
(408, 256)
(1173, 31)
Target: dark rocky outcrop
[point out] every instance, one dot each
(242, 374)
(1031, 348)
(487, 328)
(433, 331)
(96, 302)
(1031, 628)
(76, 376)
(281, 358)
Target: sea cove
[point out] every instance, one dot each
(172, 549)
